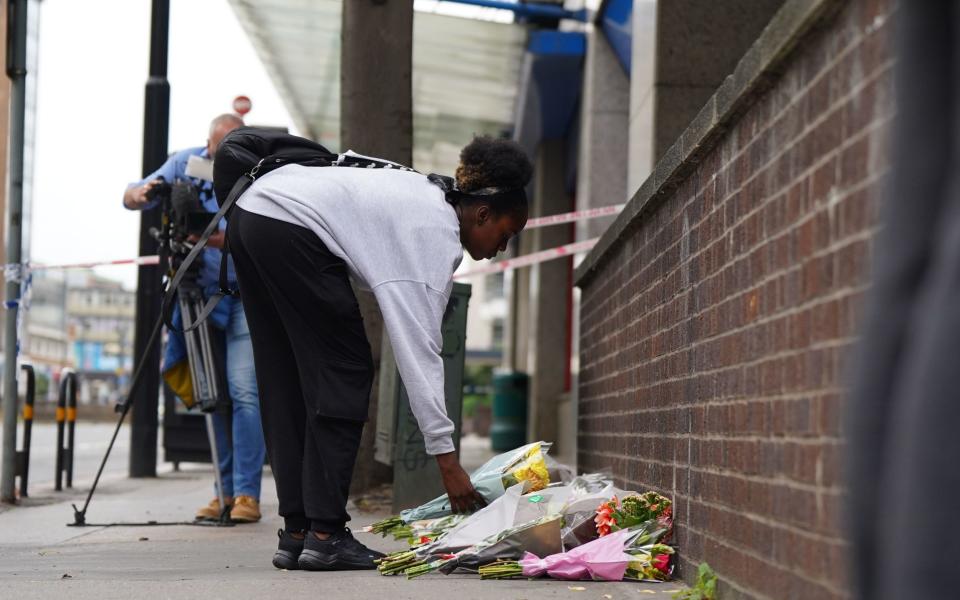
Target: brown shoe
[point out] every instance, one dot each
(212, 510)
(245, 510)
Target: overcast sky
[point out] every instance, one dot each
(93, 63)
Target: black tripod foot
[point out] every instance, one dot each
(79, 518)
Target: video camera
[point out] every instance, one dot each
(180, 202)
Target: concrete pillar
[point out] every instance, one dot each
(682, 51)
(549, 299)
(643, 59)
(376, 118)
(699, 43)
(601, 181)
(604, 122)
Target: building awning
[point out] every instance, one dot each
(550, 86)
(465, 73)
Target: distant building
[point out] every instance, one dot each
(487, 318)
(82, 321)
(100, 331)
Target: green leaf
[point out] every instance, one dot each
(705, 588)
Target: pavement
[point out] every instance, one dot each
(91, 441)
(41, 557)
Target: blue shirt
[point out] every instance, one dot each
(173, 170)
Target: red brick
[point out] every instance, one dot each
(714, 338)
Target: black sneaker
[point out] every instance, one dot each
(288, 551)
(340, 552)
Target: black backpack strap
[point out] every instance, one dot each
(239, 187)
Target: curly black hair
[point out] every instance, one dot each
(492, 162)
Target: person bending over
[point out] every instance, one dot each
(297, 236)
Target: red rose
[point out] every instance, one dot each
(660, 562)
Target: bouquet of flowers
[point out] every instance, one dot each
(602, 559)
(579, 508)
(651, 563)
(503, 529)
(541, 535)
(425, 530)
(614, 515)
(497, 516)
(524, 465)
(624, 554)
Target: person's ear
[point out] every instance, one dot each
(483, 214)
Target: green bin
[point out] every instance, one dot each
(509, 428)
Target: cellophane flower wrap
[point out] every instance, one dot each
(541, 534)
(525, 465)
(651, 562)
(636, 552)
(603, 559)
(623, 554)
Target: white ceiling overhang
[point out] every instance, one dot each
(466, 72)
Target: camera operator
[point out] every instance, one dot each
(297, 234)
(241, 450)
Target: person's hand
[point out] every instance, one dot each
(464, 498)
(214, 241)
(137, 197)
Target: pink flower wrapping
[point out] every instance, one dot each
(602, 559)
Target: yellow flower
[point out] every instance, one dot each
(533, 469)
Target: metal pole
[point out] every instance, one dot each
(144, 424)
(17, 72)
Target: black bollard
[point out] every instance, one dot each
(61, 416)
(71, 424)
(66, 417)
(23, 455)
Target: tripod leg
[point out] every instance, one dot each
(215, 456)
(200, 359)
(79, 516)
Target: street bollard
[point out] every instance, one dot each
(22, 469)
(66, 416)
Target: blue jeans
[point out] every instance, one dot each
(241, 463)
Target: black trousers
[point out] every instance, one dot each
(904, 410)
(314, 368)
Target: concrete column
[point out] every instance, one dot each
(604, 122)
(549, 293)
(699, 43)
(376, 118)
(682, 51)
(643, 60)
(601, 181)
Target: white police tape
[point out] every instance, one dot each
(17, 272)
(577, 215)
(529, 259)
(140, 260)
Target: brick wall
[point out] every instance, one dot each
(714, 331)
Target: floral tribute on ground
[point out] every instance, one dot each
(578, 528)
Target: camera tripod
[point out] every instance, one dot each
(203, 376)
